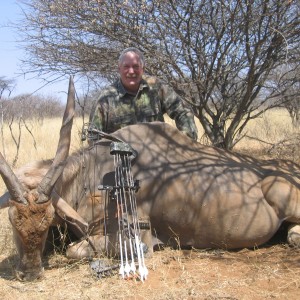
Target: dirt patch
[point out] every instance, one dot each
(263, 273)
(269, 272)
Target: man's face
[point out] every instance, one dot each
(131, 71)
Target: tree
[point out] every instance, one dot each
(6, 86)
(218, 55)
(293, 107)
(289, 91)
(20, 111)
(31, 107)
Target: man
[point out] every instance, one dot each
(135, 98)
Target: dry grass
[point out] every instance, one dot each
(45, 135)
(262, 273)
(272, 136)
(267, 273)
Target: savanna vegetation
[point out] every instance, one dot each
(230, 60)
(236, 63)
(269, 271)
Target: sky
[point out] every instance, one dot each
(10, 55)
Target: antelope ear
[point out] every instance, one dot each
(68, 212)
(4, 200)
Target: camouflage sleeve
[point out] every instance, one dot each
(96, 116)
(173, 105)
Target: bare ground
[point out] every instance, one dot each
(266, 272)
(270, 272)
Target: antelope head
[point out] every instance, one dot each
(31, 211)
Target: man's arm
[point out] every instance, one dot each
(97, 114)
(173, 105)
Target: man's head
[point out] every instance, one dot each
(131, 68)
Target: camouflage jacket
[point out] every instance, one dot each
(116, 108)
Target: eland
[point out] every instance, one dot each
(190, 195)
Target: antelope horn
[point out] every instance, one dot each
(12, 183)
(46, 186)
